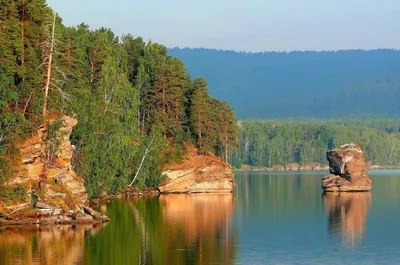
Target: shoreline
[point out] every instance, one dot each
(125, 194)
(32, 216)
(88, 216)
(80, 217)
(305, 168)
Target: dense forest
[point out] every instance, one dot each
(135, 104)
(331, 84)
(270, 143)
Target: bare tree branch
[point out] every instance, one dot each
(146, 151)
(46, 87)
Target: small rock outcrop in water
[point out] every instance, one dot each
(55, 194)
(197, 174)
(349, 173)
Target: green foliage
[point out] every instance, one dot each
(53, 139)
(130, 97)
(12, 193)
(270, 143)
(212, 121)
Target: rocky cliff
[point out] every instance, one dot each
(348, 170)
(197, 174)
(52, 187)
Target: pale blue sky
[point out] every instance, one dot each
(252, 25)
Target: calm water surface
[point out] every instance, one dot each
(271, 218)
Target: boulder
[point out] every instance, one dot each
(96, 215)
(198, 174)
(84, 218)
(348, 170)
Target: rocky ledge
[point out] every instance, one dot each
(348, 170)
(54, 192)
(198, 174)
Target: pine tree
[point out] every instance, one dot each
(227, 122)
(168, 99)
(199, 111)
(134, 48)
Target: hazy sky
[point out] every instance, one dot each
(252, 25)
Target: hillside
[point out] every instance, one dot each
(133, 106)
(332, 84)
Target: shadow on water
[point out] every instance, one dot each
(61, 245)
(347, 215)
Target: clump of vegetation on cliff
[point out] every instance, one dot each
(130, 98)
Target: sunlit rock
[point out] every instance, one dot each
(198, 174)
(347, 166)
(45, 171)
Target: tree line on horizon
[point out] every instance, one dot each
(271, 143)
(134, 103)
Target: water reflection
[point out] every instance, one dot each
(31, 245)
(347, 215)
(278, 216)
(204, 218)
(170, 229)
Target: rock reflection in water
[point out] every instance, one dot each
(170, 229)
(30, 245)
(347, 215)
(200, 224)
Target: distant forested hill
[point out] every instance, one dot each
(340, 84)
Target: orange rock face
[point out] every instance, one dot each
(55, 177)
(347, 166)
(53, 188)
(198, 174)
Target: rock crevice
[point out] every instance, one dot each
(348, 170)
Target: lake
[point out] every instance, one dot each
(271, 217)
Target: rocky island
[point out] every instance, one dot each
(348, 170)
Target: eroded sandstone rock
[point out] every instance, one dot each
(348, 170)
(53, 188)
(198, 174)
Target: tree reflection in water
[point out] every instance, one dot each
(170, 229)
